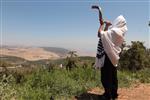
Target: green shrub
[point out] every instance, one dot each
(143, 75)
(7, 90)
(62, 84)
(125, 78)
(135, 58)
(59, 83)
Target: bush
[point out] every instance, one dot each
(143, 75)
(7, 91)
(59, 83)
(62, 84)
(135, 58)
(125, 78)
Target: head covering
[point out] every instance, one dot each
(118, 29)
(119, 22)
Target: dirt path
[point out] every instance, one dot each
(136, 92)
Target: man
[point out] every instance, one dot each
(110, 40)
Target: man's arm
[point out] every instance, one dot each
(100, 29)
(103, 26)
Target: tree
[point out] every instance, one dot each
(148, 58)
(71, 60)
(135, 58)
(72, 54)
(50, 66)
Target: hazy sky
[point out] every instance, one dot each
(69, 23)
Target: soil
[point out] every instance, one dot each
(136, 92)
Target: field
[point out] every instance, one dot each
(43, 83)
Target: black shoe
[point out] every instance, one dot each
(114, 97)
(105, 97)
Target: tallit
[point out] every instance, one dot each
(112, 39)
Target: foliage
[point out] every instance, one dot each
(143, 75)
(71, 60)
(4, 63)
(43, 83)
(59, 83)
(135, 58)
(7, 91)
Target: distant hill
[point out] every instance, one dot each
(33, 53)
(38, 53)
(12, 58)
(62, 52)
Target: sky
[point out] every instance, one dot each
(69, 23)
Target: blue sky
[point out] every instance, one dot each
(69, 23)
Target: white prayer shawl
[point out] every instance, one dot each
(112, 40)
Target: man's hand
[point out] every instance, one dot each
(108, 23)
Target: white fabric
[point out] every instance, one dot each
(112, 40)
(99, 62)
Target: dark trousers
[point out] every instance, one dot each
(109, 78)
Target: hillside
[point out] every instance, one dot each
(12, 59)
(33, 53)
(60, 51)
